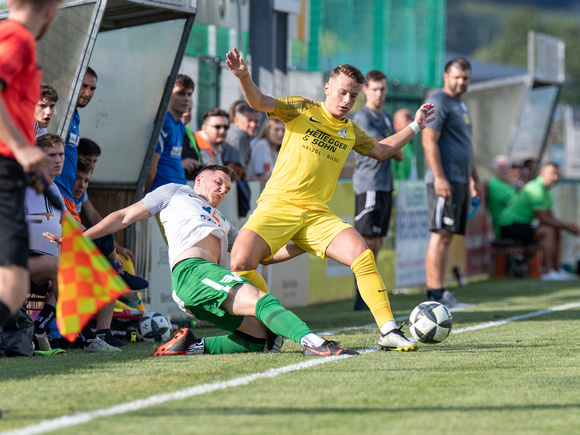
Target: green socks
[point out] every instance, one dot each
(279, 319)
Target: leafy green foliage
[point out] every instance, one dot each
(510, 45)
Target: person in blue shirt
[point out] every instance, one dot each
(166, 166)
(66, 180)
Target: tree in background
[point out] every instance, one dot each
(511, 45)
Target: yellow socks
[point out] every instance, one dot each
(371, 287)
(255, 278)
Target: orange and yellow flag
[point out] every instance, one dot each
(86, 280)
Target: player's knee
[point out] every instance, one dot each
(364, 263)
(240, 262)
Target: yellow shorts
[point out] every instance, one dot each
(312, 228)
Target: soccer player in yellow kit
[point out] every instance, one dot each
(293, 206)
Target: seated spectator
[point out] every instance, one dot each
(43, 267)
(500, 192)
(91, 151)
(529, 170)
(265, 149)
(535, 201)
(44, 109)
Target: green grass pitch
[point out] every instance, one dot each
(517, 376)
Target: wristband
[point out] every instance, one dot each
(415, 127)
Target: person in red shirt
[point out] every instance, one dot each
(27, 21)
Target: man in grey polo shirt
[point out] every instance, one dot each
(451, 177)
(372, 180)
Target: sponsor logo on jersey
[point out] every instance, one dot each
(342, 132)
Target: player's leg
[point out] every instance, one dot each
(373, 213)
(446, 218)
(248, 250)
(328, 236)
(14, 276)
(14, 286)
(269, 227)
(247, 300)
(222, 297)
(547, 236)
(436, 259)
(349, 248)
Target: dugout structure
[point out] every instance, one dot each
(512, 116)
(136, 48)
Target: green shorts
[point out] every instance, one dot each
(200, 287)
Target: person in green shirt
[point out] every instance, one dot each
(501, 191)
(535, 201)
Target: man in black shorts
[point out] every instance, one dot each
(19, 92)
(372, 180)
(451, 178)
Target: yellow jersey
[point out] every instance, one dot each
(313, 151)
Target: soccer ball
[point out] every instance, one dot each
(430, 322)
(153, 327)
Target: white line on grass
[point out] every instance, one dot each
(84, 417)
(520, 317)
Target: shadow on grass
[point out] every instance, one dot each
(179, 412)
(72, 362)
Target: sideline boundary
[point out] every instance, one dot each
(84, 417)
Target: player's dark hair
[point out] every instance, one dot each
(458, 62)
(83, 165)
(88, 147)
(375, 76)
(232, 109)
(349, 71)
(48, 93)
(91, 72)
(184, 82)
(47, 141)
(225, 169)
(216, 111)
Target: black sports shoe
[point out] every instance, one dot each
(328, 348)
(184, 343)
(107, 336)
(135, 283)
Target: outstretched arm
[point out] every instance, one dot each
(390, 145)
(255, 98)
(119, 220)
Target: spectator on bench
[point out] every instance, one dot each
(43, 267)
(501, 191)
(535, 201)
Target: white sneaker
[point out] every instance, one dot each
(43, 342)
(567, 275)
(98, 345)
(396, 340)
(552, 275)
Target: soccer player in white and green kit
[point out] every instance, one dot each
(293, 206)
(199, 237)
